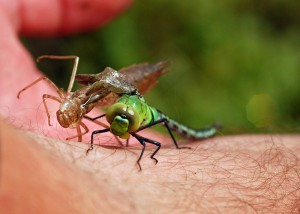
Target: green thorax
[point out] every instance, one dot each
(146, 113)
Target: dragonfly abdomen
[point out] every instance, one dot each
(188, 132)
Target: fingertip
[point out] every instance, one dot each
(63, 17)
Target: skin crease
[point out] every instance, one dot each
(252, 173)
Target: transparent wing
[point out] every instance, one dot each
(106, 86)
(106, 82)
(113, 81)
(85, 79)
(145, 76)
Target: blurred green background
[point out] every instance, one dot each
(233, 62)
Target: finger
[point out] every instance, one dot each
(57, 17)
(17, 69)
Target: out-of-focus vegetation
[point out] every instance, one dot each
(235, 62)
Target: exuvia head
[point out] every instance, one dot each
(123, 119)
(69, 114)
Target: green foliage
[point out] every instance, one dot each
(223, 54)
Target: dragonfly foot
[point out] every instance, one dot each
(156, 161)
(90, 149)
(139, 165)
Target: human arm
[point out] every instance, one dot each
(251, 173)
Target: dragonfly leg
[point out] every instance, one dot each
(86, 129)
(142, 140)
(102, 124)
(142, 153)
(79, 133)
(76, 60)
(92, 138)
(93, 118)
(47, 96)
(59, 92)
(166, 123)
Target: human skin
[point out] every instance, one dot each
(250, 173)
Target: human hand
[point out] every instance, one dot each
(223, 174)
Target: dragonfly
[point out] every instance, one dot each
(101, 89)
(131, 114)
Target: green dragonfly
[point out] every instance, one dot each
(131, 114)
(102, 89)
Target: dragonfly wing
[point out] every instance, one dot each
(111, 81)
(110, 99)
(86, 79)
(89, 79)
(107, 86)
(144, 76)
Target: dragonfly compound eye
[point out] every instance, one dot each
(121, 111)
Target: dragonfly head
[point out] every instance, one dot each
(123, 119)
(69, 114)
